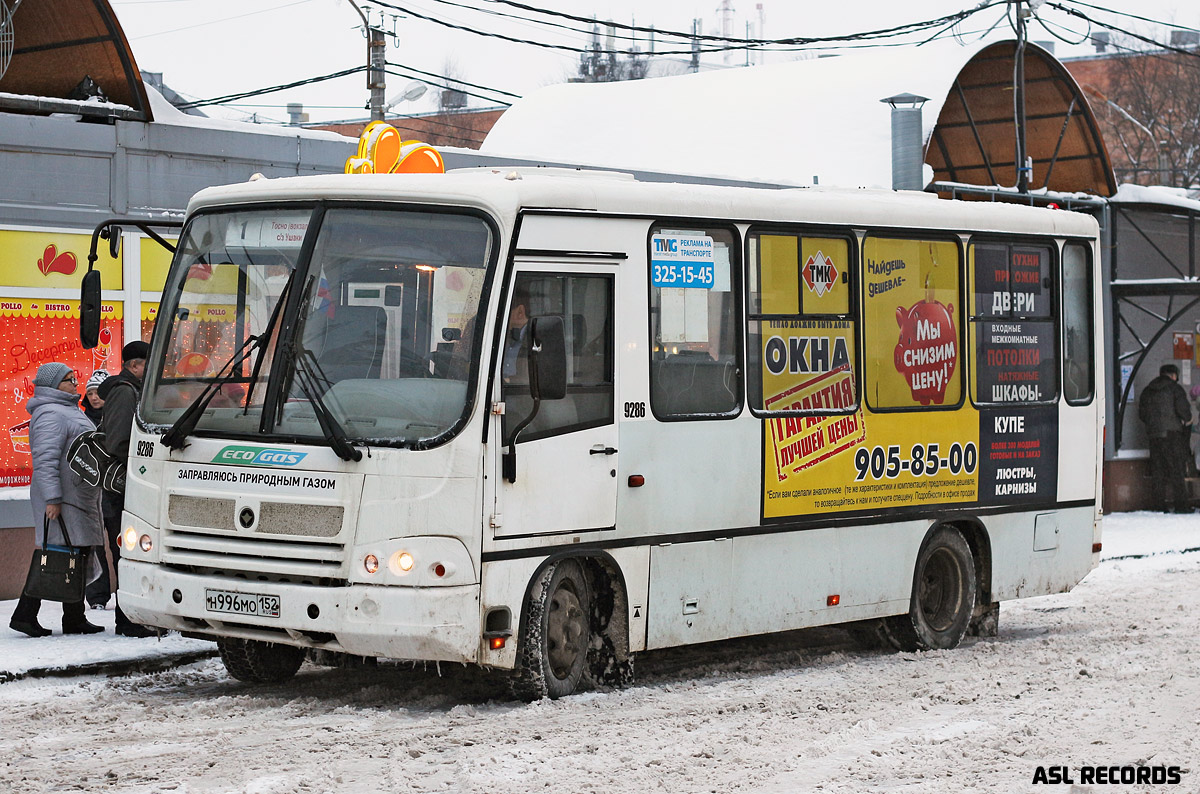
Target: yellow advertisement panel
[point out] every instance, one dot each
(156, 261)
(859, 459)
(822, 270)
(54, 260)
(911, 327)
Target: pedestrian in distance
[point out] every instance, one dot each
(1163, 407)
(91, 402)
(99, 590)
(59, 497)
(121, 393)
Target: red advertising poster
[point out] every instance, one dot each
(1184, 346)
(34, 331)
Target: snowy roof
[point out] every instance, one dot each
(786, 122)
(167, 114)
(1157, 194)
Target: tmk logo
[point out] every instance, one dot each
(819, 273)
(256, 456)
(664, 245)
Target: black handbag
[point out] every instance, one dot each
(57, 573)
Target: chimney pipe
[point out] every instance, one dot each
(908, 150)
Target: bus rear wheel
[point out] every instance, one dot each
(943, 595)
(555, 634)
(259, 662)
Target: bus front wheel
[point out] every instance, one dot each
(555, 634)
(943, 595)
(259, 662)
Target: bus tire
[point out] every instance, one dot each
(555, 634)
(257, 662)
(943, 595)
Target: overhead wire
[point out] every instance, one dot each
(454, 80)
(460, 90)
(1132, 34)
(764, 45)
(221, 100)
(1133, 16)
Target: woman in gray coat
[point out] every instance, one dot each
(56, 491)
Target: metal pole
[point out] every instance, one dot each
(376, 76)
(376, 60)
(1023, 168)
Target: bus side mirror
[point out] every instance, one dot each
(548, 358)
(89, 309)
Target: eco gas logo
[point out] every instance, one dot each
(256, 456)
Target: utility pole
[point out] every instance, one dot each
(695, 45)
(1023, 163)
(376, 61)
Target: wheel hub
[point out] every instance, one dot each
(566, 625)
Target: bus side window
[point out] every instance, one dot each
(913, 323)
(1012, 324)
(801, 326)
(1078, 354)
(585, 303)
(694, 371)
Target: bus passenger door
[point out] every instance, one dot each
(566, 457)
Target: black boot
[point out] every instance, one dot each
(25, 618)
(75, 623)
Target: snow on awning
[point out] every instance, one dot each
(820, 120)
(59, 43)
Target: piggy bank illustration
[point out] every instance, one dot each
(927, 350)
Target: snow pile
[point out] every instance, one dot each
(1106, 675)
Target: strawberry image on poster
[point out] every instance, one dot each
(927, 350)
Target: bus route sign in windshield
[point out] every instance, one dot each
(682, 260)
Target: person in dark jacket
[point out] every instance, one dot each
(64, 505)
(1163, 407)
(121, 393)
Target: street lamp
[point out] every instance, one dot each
(414, 90)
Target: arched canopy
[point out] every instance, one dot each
(57, 43)
(974, 140)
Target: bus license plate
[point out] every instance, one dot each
(235, 603)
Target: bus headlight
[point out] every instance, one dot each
(401, 563)
(371, 563)
(145, 543)
(131, 538)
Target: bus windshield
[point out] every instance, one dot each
(383, 326)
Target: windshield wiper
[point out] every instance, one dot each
(306, 370)
(176, 435)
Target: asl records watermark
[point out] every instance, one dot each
(1109, 775)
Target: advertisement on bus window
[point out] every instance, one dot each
(920, 452)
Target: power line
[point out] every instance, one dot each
(454, 80)
(460, 90)
(1130, 33)
(221, 100)
(218, 21)
(1132, 16)
(774, 45)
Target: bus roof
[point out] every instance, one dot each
(504, 192)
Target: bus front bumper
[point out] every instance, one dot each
(426, 623)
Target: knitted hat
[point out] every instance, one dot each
(135, 349)
(97, 378)
(51, 374)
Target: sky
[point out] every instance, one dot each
(212, 48)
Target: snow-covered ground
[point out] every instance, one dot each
(1106, 675)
